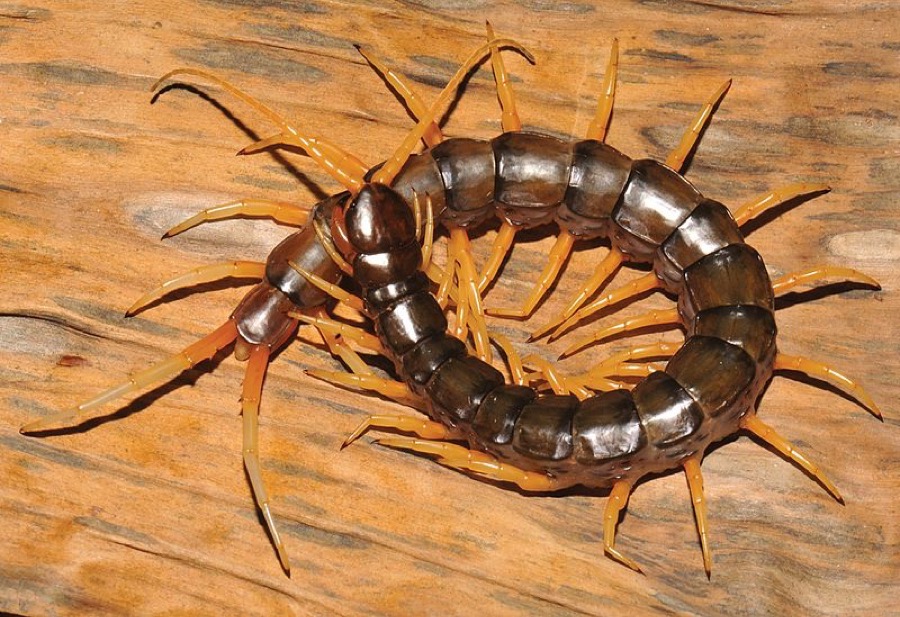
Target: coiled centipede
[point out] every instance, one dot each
(380, 231)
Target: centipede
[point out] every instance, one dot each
(649, 409)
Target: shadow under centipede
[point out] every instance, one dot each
(817, 293)
(313, 187)
(186, 378)
(180, 294)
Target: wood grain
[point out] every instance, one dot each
(149, 513)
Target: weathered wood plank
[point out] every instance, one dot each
(150, 513)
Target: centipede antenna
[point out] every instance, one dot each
(752, 423)
(334, 291)
(679, 155)
(667, 317)
(328, 245)
(779, 196)
(817, 370)
(559, 253)
(600, 124)
(198, 276)
(341, 165)
(513, 361)
(401, 86)
(395, 163)
(252, 390)
(695, 485)
(635, 288)
(601, 274)
(420, 427)
(618, 499)
(281, 212)
(479, 463)
(189, 357)
(787, 282)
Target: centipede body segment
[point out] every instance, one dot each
(595, 429)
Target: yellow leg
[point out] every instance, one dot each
(480, 463)
(419, 427)
(281, 211)
(499, 250)
(320, 320)
(331, 249)
(395, 390)
(198, 276)
(668, 317)
(765, 432)
(604, 270)
(618, 499)
(559, 383)
(189, 357)
(824, 372)
(461, 252)
(560, 252)
(600, 124)
(253, 381)
(779, 196)
(512, 358)
(342, 166)
(631, 290)
(680, 154)
(509, 118)
(695, 485)
(335, 291)
(789, 281)
(432, 136)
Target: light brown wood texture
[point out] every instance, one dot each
(149, 512)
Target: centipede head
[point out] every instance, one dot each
(375, 230)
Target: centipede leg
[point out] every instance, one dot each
(559, 383)
(667, 317)
(618, 499)
(601, 274)
(419, 427)
(752, 423)
(695, 485)
(635, 288)
(280, 211)
(480, 463)
(319, 318)
(335, 291)
(198, 276)
(600, 124)
(189, 357)
(395, 390)
(817, 370)
(469, 298)
(253, 381)
(559, 253)
(779, 196)
(679, 155)
(789, 281)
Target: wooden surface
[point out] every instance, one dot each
(150, 513)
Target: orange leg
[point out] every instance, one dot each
(189, 357)
(631, 290)
(789, 281)
(604, 270)
(407, 424)
(665, 317)
(335, 291)
(765, 432)
(331, 249)
(282, 212)
(558, 256)
(252, 390)
(479, 463)
(512, 358)
(198, 276)
(618, 499)
(320, 320)
(461, 252)
(680, 154)
(499, 250)
(695, 485)
(824, 372)
(600, 124)
(779, 196)
(432, 136)
(342, 166)
(395, 390)
(559, 383)
(509, 118)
